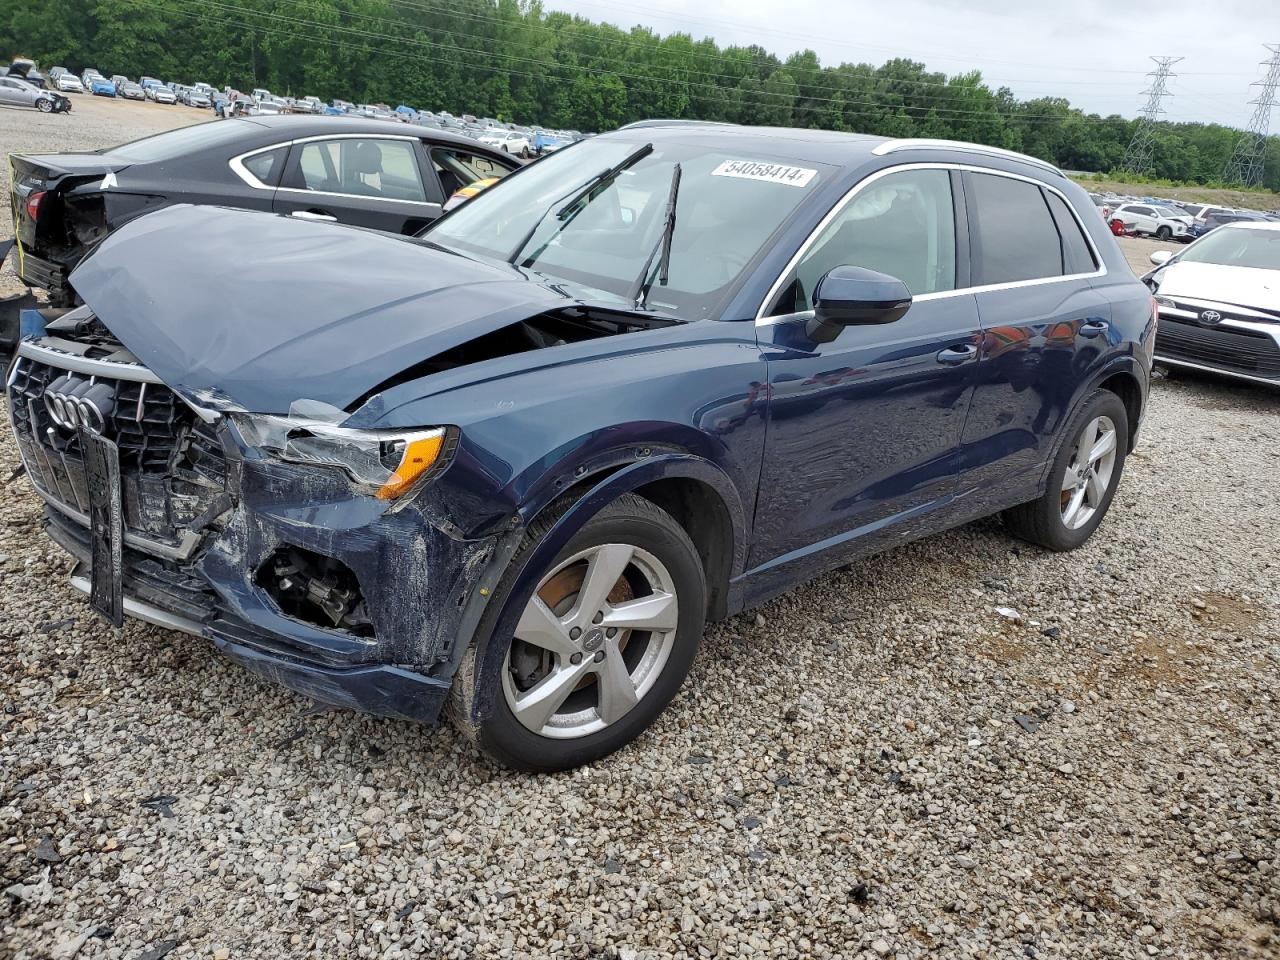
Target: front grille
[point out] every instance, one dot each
(1236, 351)
(172, 469)
(1226, 311)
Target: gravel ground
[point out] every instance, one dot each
(879, 764)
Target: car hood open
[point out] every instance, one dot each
(1242, 286)
(252, 311)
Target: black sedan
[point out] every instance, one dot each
(369, 173)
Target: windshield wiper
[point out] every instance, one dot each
(662, 250)
(566, 212)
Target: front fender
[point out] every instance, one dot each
(493, 611)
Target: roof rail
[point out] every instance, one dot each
(659, 122)
(892, 146)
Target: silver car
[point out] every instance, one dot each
(16, 92)
(1219, 303)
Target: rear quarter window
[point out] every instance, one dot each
(1077, 257)
(1013, 231)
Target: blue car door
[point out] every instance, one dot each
(1045, 328)
(863, 432)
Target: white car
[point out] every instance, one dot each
(1151, 219)
(508, 141)
(69, 83)
(1219, 302)
(161, 95)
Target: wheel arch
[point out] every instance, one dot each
(696, 492)
(1126, 385)
(1122, 375)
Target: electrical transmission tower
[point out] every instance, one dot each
(1247, 159)
(1137, 159)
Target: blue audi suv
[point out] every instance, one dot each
(508, 469)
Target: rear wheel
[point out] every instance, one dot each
(601, 648)
(1083, 480)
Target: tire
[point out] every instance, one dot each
(44, 105)
(1163, 233)
(1047, 521)
(655, 662)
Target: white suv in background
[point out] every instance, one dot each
(1165, 223)
(509, 141)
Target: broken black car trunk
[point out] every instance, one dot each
(62, 205)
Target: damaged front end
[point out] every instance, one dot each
(295, 549)
(284, 486)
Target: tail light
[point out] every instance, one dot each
(33, 204)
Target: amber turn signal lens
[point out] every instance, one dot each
(418, 457)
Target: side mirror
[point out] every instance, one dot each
(853, 296)
(1161, 257)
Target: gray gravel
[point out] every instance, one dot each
(880, 764)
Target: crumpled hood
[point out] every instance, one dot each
(1242, 286)
(235, 309)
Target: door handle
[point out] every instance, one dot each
(1092, 328)
(957, 354)
(313, 215)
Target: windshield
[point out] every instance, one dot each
(1233, 246)
(727, 208)
(1169, 212)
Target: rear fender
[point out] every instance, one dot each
(1126, 364)
(490, 619)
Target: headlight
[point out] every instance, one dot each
(387, 464)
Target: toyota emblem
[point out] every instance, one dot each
(74, 403)
(1211, 318)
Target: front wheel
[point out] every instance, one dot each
(1163, 233)
(601, 648)
(1083, 480)
(44, 105)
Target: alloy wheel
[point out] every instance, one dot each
(1088, 474)
(592, 642)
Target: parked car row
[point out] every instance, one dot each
(514, 460)
(1170, 219)
(519, 141)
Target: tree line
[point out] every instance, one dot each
(514, 60)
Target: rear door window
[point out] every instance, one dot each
(360, 167)
(1013, 233)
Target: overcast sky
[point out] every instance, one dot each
(1093, 52)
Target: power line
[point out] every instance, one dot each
(1137, 158)
(1250, 153)
(774, 33)
(813, 104)
(442, 8)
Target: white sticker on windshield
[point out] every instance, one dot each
(768, 172)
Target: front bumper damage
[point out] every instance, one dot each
(371, 606)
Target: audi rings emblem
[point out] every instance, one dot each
(74, 403)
